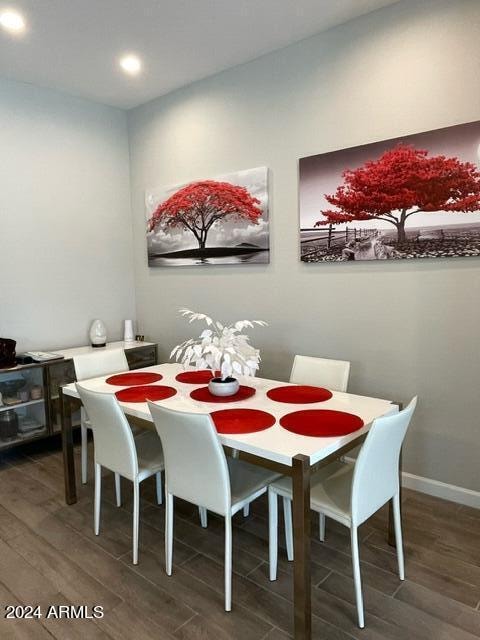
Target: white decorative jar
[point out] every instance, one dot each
(223, 388)
(128, 335)
(98, 334)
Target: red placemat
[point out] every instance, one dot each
(145, 392)
(204, 395)
(196, 377)
(321, 422)
(241, 420)
(299, 394)
(128, 379)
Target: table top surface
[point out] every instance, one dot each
(275, 443)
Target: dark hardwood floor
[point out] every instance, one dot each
(49, 555)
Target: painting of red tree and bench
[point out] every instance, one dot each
(411, 197)
(216, 221)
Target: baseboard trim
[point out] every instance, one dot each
(443, 490)
(438, 489)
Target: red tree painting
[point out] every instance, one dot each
(199, 206)
(404, 181)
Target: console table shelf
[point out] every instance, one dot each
(19, 405)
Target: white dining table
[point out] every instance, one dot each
(275, 448)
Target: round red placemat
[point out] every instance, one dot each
(321, 422)
(127, 379)
(196, 377)
(204, 395)
(299, 394)
(144, 393)
(241, 420)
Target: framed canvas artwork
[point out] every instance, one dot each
(411, 197)
(223, 220)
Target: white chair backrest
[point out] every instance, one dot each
(94, 365)
(113, 438)
(375, 477)
(195, 465)
(321, 372)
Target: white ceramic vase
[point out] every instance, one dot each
(98, 334)
(222, 388)
(128, 331)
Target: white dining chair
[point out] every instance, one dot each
(321, 372)
(197, 470)
(94, 365)
(117, 450)
(351, 493)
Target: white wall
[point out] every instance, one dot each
(407, 327)
(65, 225)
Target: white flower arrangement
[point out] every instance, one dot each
(220, 348)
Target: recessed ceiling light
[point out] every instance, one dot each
(12, 21)
(131, 64)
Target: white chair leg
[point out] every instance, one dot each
(97, 498)
(234, 453)
(118, 489)
(397, 520)
(246, 510)
(136, 518)
(356, 576)
(273, 533)
(228, 563)
(168, 532)
(287, 516)
(84, 453)
(202, 512)
(158, 484)
(321, 527)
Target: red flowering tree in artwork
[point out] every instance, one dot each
(402, 182)
(199, 205)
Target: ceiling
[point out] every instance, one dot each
(74, 45)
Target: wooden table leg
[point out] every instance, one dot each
(391, 526)
(302, 595)
(67, 447)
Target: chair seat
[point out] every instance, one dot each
(149, 454)
(330, 491)
(247, 480)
